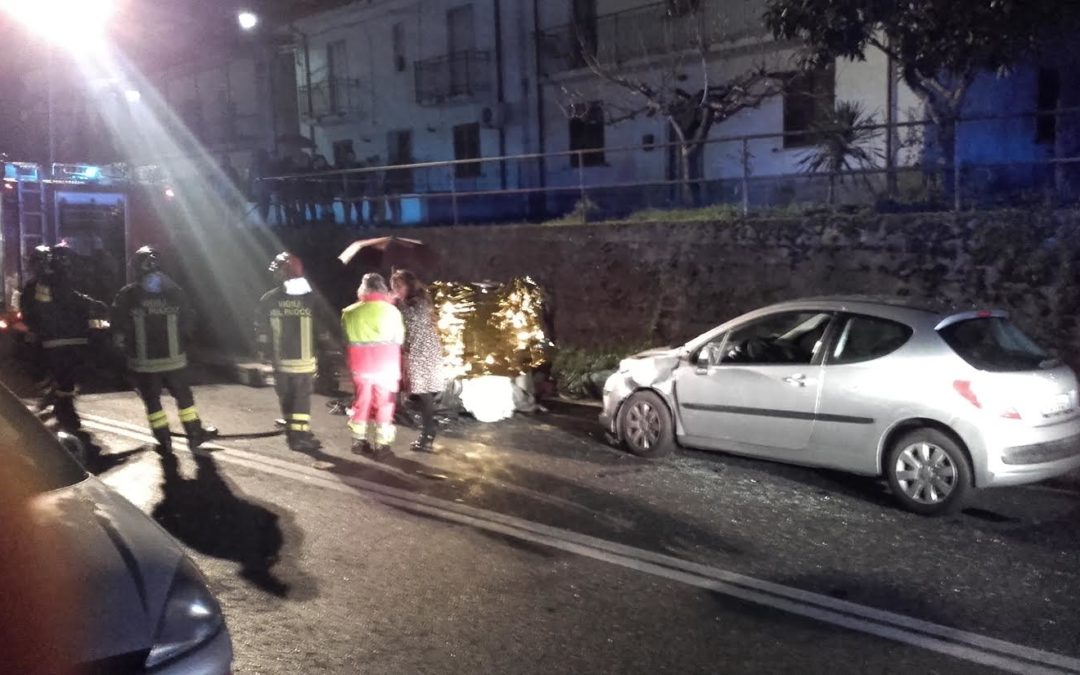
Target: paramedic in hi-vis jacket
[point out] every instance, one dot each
(151, 321)
(289, 326)
(374, 331)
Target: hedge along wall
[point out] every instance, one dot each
(627, 283)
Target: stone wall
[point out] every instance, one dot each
(619, 284)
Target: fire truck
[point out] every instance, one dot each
(102, 213)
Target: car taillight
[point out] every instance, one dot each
(964, 388)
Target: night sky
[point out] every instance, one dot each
(152, 33)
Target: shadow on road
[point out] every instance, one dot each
(544, 498)
(102, 463)
(210, 516)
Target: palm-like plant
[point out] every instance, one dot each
(843, 144)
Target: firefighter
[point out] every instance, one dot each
(151, 321)
(374, 331)
(36, 290)
(60, 318)
(289, 325)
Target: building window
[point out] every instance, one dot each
(336, 71)
(460, 41)
(809, 98)
(682, 7)
(467, 146)
(400, 59)
(399, 151)
(585, 32)
(1048, 99)
(342, 150)
(587, 134)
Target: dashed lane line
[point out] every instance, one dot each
(957, 643)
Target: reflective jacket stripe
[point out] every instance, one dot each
(305, 337)
(65, 342)
(158, 365)
(173, 329)
(140, 338)
(275, 327)
(297, 366)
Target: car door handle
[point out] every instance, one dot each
(796, 380)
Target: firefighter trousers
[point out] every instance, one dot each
(63, 365)
(294, 394)
(373, 411)
(150, 386)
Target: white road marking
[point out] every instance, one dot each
(960, 644)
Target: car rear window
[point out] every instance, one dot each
(994, 344)
(865, 338)
(26, 444)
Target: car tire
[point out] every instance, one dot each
(928, 472)
(646, 428)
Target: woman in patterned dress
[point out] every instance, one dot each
(422, 352)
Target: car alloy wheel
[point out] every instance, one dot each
(643, 425)
(925, 473)
(646, 426)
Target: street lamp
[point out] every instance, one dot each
(248, 20)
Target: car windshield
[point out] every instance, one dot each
(994, 344)
(26, 443)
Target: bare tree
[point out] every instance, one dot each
(662, 63)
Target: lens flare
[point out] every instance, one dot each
(74, 24)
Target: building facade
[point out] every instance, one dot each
(406, 81)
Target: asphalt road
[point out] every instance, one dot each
(532, 546)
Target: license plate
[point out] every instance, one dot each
(1060, 405)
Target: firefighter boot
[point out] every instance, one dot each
(164, 441)
(198, 434)
(64, 409)
(362, 447)
(302, 441)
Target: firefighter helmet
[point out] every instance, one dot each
(39, 260)
(287, 266)
(61, 258)
(145, 261)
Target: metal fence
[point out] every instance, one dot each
(456, 76)
(1000, 164)
(650, 31)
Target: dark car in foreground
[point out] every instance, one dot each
(130, 600)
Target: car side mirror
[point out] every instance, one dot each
(75, 447)
(703, 358)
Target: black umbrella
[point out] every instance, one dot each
(390, 253)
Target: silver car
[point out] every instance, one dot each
(938, 402)
(132, 601)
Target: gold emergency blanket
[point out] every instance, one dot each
(491, 329)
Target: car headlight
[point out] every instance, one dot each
(191, 616)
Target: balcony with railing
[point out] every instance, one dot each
(649, 31)
(337, 99)
(460, 76)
